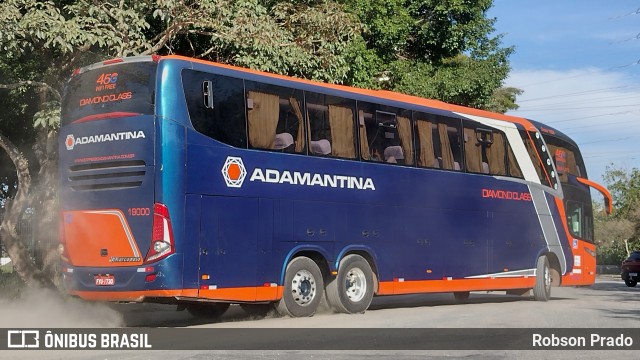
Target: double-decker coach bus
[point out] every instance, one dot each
(201, 184)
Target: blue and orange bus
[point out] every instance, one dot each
(200, 184)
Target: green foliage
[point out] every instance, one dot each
(441, 49)
(625, 190)
(624, 224)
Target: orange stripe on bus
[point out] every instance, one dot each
(137, 296)
(259, 293)
(436, 286)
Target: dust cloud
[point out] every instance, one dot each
(43, 308)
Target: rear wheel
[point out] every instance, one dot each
(207, 310)
(630, 283)
(303, 288)
(352, 290)
(542, 288)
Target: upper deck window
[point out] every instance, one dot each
(126, 88)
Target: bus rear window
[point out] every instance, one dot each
(126, 88)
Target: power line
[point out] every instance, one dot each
(601, 141)
(580, 108)
(590, 117)
(603, 124)
(576, 93)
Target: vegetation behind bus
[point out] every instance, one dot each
(618, 235)
(427, 49)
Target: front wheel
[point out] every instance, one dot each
(630, 283)
(351, 291)
(542, 288)
(303, 288)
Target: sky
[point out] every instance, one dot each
(578, 62)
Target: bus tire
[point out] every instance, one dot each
(351, 291)
(542, 287)
(207, 310)
(461, 296)
(303, 288)
(630, 283)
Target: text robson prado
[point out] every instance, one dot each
(593, 341)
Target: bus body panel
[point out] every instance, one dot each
(99, 159)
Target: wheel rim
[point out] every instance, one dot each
(303, 287)
(547, 278)
(355, 284)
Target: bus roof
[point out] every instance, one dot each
(374, 94)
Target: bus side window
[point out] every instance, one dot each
(450, 144)
(539, 155)
(275, 120)
(385, 134)
(223, 118)
(575, 217)
(330, 121)
(485, 151)
(425, 153)
(438, 143)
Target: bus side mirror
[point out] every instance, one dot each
(207, 94)
(608, 201)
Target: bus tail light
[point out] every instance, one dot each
(162, 244)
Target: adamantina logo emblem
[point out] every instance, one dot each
(70, 142)
(234, 171)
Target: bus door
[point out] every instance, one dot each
(228, 254)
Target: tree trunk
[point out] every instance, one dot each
(626, 246)
(14, 208)
(45, 201)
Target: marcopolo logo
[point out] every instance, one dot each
(234, 171)
(72, 141)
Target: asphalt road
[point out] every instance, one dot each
(606, 304)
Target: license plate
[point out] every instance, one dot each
(105, 280)
(633, 274)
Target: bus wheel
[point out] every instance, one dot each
(542, 288)
(630, 283)
(303, 288)
(257, 310)
(207, 310)
(461, 296)
(351, 291)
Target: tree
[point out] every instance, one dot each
(441, 49)
(618, 234)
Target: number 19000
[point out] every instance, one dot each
(139, 211)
